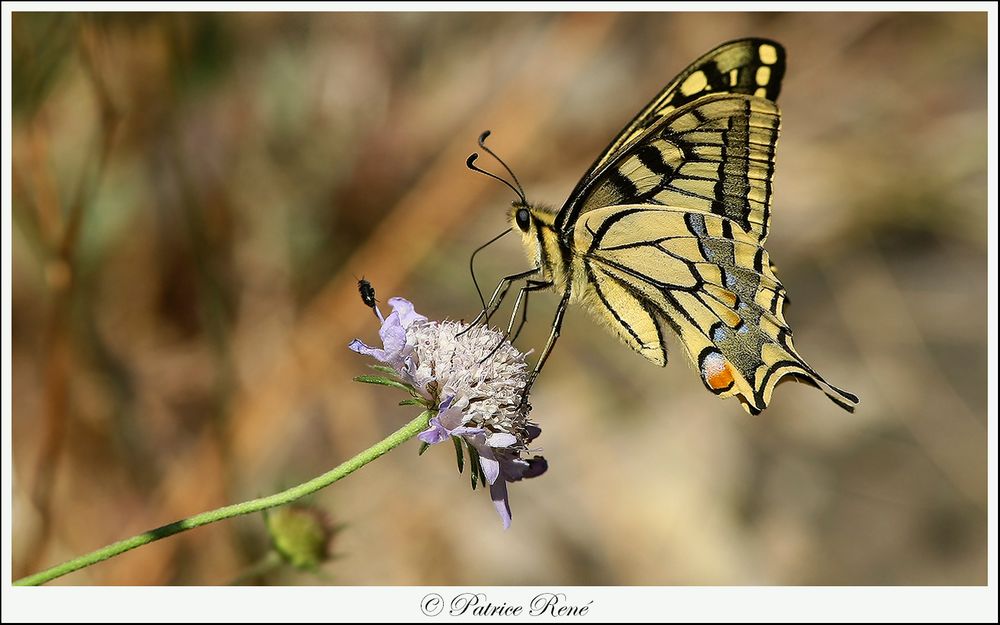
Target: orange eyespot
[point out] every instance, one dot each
(715, 371)
(721, 379)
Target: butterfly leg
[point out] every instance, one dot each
(532, 285)
(556, 327)
(538, 285)
(503, 286)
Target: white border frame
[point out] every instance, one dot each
(614, 604)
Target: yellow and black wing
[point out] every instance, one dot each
(715, 155)
(670, 234)
(704, 277)
(746, 66)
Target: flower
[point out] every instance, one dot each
(475, 378)
(395, 347)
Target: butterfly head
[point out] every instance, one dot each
(529, 218)
(536, 225)
(523, 221)
(521, 216)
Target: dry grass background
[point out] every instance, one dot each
(195, 194)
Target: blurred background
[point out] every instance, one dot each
(195, 196)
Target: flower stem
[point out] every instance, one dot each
(395, 439)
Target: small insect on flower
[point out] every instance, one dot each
(474, 387)
(367, 292)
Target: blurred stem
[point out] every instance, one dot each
(395, 439)
(271, 561)
(62, 273)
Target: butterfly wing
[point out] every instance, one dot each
(707, 279)
(670, 233)
(745, 66)
(715, 155)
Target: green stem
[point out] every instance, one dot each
(395, 439)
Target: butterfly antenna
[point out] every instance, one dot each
(472, 260)
(470, 163)
(482, 144)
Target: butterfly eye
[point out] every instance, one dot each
(523, 219)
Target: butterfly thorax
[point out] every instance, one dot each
(545, 250)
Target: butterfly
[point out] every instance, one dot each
(664, 233)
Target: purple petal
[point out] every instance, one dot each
(533, 431)
(403, 309)
(498, 493)
(489, 463)
(393, 336)
(451, 416)
(359, 347)
(434, 434)
(536, 466)
(516, 469)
